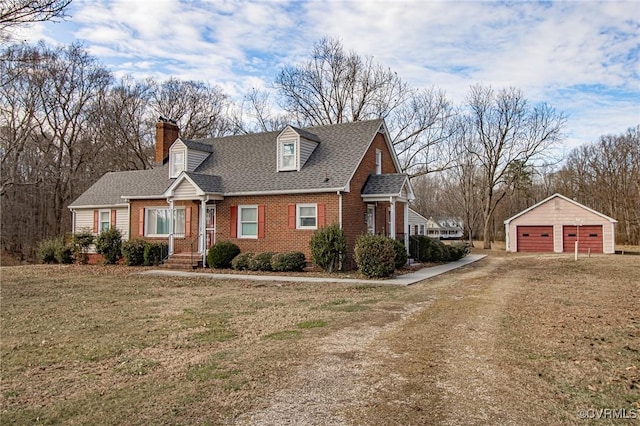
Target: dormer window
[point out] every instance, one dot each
(176, 163)
(288, 156)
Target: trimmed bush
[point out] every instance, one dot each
(457, 251)
(292, 261)
(375, 256)
(401, 254)
(429, 250)
(109, 245)
(221, 254)
(81, 243)
(133, 252)
(328, 247)
(261, 261)
(47, 250)
(154, 253)
(64, 254)
(241, 261)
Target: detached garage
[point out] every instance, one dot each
(555, 224)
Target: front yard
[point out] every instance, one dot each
(509, 339)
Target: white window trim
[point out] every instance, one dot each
(172, 164)
(378, 161)
(294, 155)
(299, 218)
(147, 222)
(239, 219)
(100, 221)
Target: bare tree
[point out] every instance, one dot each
(199, 109)
(256, 114)
(15, 13)
(507, 132)
(335, 86)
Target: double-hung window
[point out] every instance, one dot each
(158, 219)
(177, 163)
(307, 216)
(105, 220)
(248, 221)
(288, 156)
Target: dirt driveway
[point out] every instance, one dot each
(508, 340)
(474, 354)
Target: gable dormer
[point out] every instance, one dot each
(186, 155)
(294, 147)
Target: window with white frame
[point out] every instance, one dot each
(288, 161)
(248, 221)
(421, 229)
(157, 221)
(307, 216)
(378, 162)
(177, 161)
(105, 220)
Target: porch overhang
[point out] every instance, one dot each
(190, 186)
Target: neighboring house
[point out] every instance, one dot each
(555, 224)
(445, 228)
(264, 191)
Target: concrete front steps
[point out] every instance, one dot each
(185, 261)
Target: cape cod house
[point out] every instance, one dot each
(264, 192)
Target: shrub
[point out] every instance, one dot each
(64, 254)
(457, 251)
(133, 252)
(154, 253)
(109, 245)
(429, 250)
(375, 256)
(221, 254)
(81, 243)
(261, 261)
(47, 250)
(241, 261)
(293, 261)
(401, 256)
(328, 246)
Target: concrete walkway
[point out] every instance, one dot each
(403, 280)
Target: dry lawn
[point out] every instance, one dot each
(518, 339)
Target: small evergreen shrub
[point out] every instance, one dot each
(292, 261)
(261, 261)
(401, 254)
(47, 250)
(154, 253)
(221, 254)
(457, 251)
(375, 256)
(241, 261)
(81, 243)
(328, 247)
(133, 252)
(109, 245)
(428, 249)
(64, 254)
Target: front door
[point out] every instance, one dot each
(210, 226)
(371, 219)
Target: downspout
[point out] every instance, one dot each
(340, 209)
(73, 221)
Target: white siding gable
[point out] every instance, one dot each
(193, 157)
(185, 191)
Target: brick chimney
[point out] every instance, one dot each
(166, 134)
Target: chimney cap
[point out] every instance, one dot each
(167, 120)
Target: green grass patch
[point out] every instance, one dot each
(283, 335)
(210, 370)
(215, 327)
(135, 366)
(312, 324)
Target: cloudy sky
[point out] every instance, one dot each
(582, 57)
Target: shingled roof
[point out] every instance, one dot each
(387, 184)
(246, 164)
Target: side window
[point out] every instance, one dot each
(307, 216)
(248, 221)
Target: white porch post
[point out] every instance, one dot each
(392, 219)
(201, 230)
(171, 216)
(406, 225)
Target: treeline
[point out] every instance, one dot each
(65, 120)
